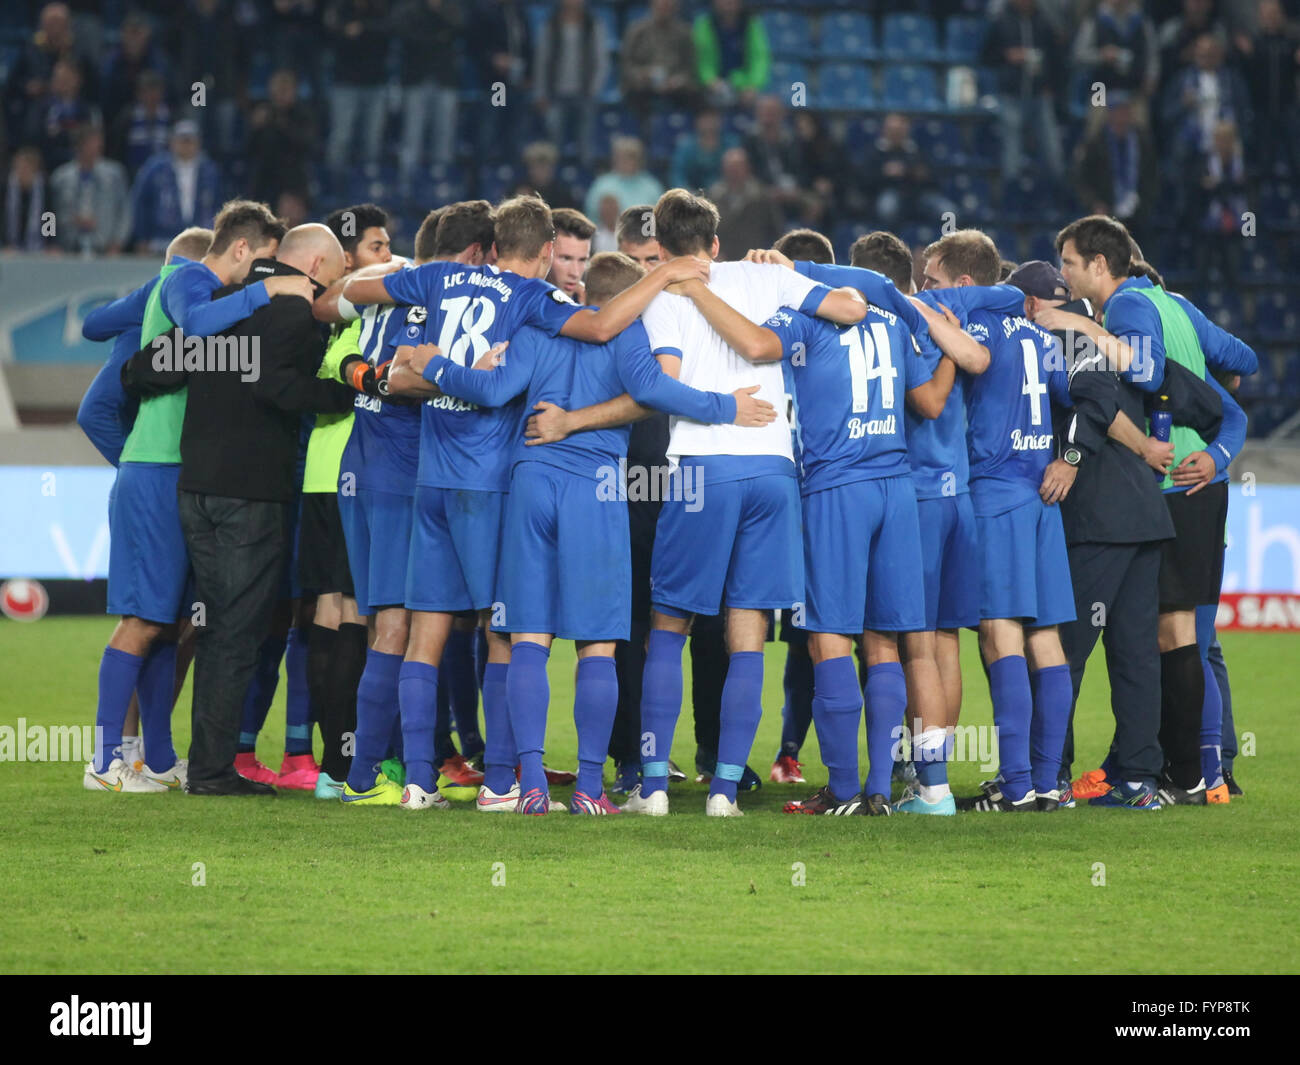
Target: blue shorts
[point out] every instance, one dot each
(453, 561)
(1026, 568)
(566, 558)
(950, 562)
(148, 563)
(862, 557)
(739, 537)
(377, 529)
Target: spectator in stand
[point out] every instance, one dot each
(773, 153)
(899, 177)
(23, 225)
(174, 190)
(570, 69)
(92, 206)
(697, 159)
(208, 45)
(732, 53)
(1223, 188)
(297, 32)
(1200, 97)
(430, 90)
(658, 63)
(29, 77)
(282, 140)
(56, 116)
(358, 38)
(818, 160)
(1025, 49)
(142, 130)
(292, 208)
(1117, 47)
(503, 48)
(1115, 169)
(627, 181)
(1176, 37)
(1271, 58)
(540, 161)
(750, 218)
(134, 54)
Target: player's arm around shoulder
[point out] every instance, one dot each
(946, 331)
(600, 327)
(843, 306)
(751, 342)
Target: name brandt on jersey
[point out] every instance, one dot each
(1030, 441)
(886, 426)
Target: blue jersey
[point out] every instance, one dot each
(469, 309)
(1008, 410)
(850, 384)
(186, 298)
(384, 448)
(573, 374)
(107, 413)
(937, 447)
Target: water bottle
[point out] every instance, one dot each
(1162, 421)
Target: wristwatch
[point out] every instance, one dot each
(1073, 456)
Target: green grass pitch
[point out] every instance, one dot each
(99, 883)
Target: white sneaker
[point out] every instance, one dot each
(133, 752)
(119, 777)
(721, 806)
(415, 797)
(174, 779)
(653, 805)
(489, 802)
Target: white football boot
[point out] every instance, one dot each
(415, 797)
(721, 806)
(174, 779)
(120, 777)
(489, 802)
(653, 805)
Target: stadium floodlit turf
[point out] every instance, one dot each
(98, 883)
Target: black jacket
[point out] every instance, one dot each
(240, 437)
(1116, 497)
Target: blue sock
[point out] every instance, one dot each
(500, 755)
(837, 710)
(156, 686)
(595, 701)
(797, 711)
(462, 690)
(1052, 693)
(1013, 711)
(376, 713)
(885, 695)
(528, 692)
(118, 674)
(297, 722)
(261, 692)
(742, 708)
(443, 747)
(1211, 729)
(661, 702)
(417, 697)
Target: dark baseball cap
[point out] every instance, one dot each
(1040, 280)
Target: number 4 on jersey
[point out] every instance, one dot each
(1033, 387)
(868, 361)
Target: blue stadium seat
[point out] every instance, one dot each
(964, 38)
(844, 87)
(1261, 264)
(911, 88)
(973, 194)
(1223, 306)
(789, 34)
(940, 140)
(1041, 246)
(1262, 384)
(665, 128)
(910, 37)
(848, 36)
(859, 134)
(785, 74)
(607, 15)
(1276, 318)
(496, 181)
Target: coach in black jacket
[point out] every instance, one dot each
(239, 447)
(1115, 520)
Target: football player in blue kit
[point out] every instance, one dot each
(464, 465)
(1025, 589)
(565, 561)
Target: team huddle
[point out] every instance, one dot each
(881, 467)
